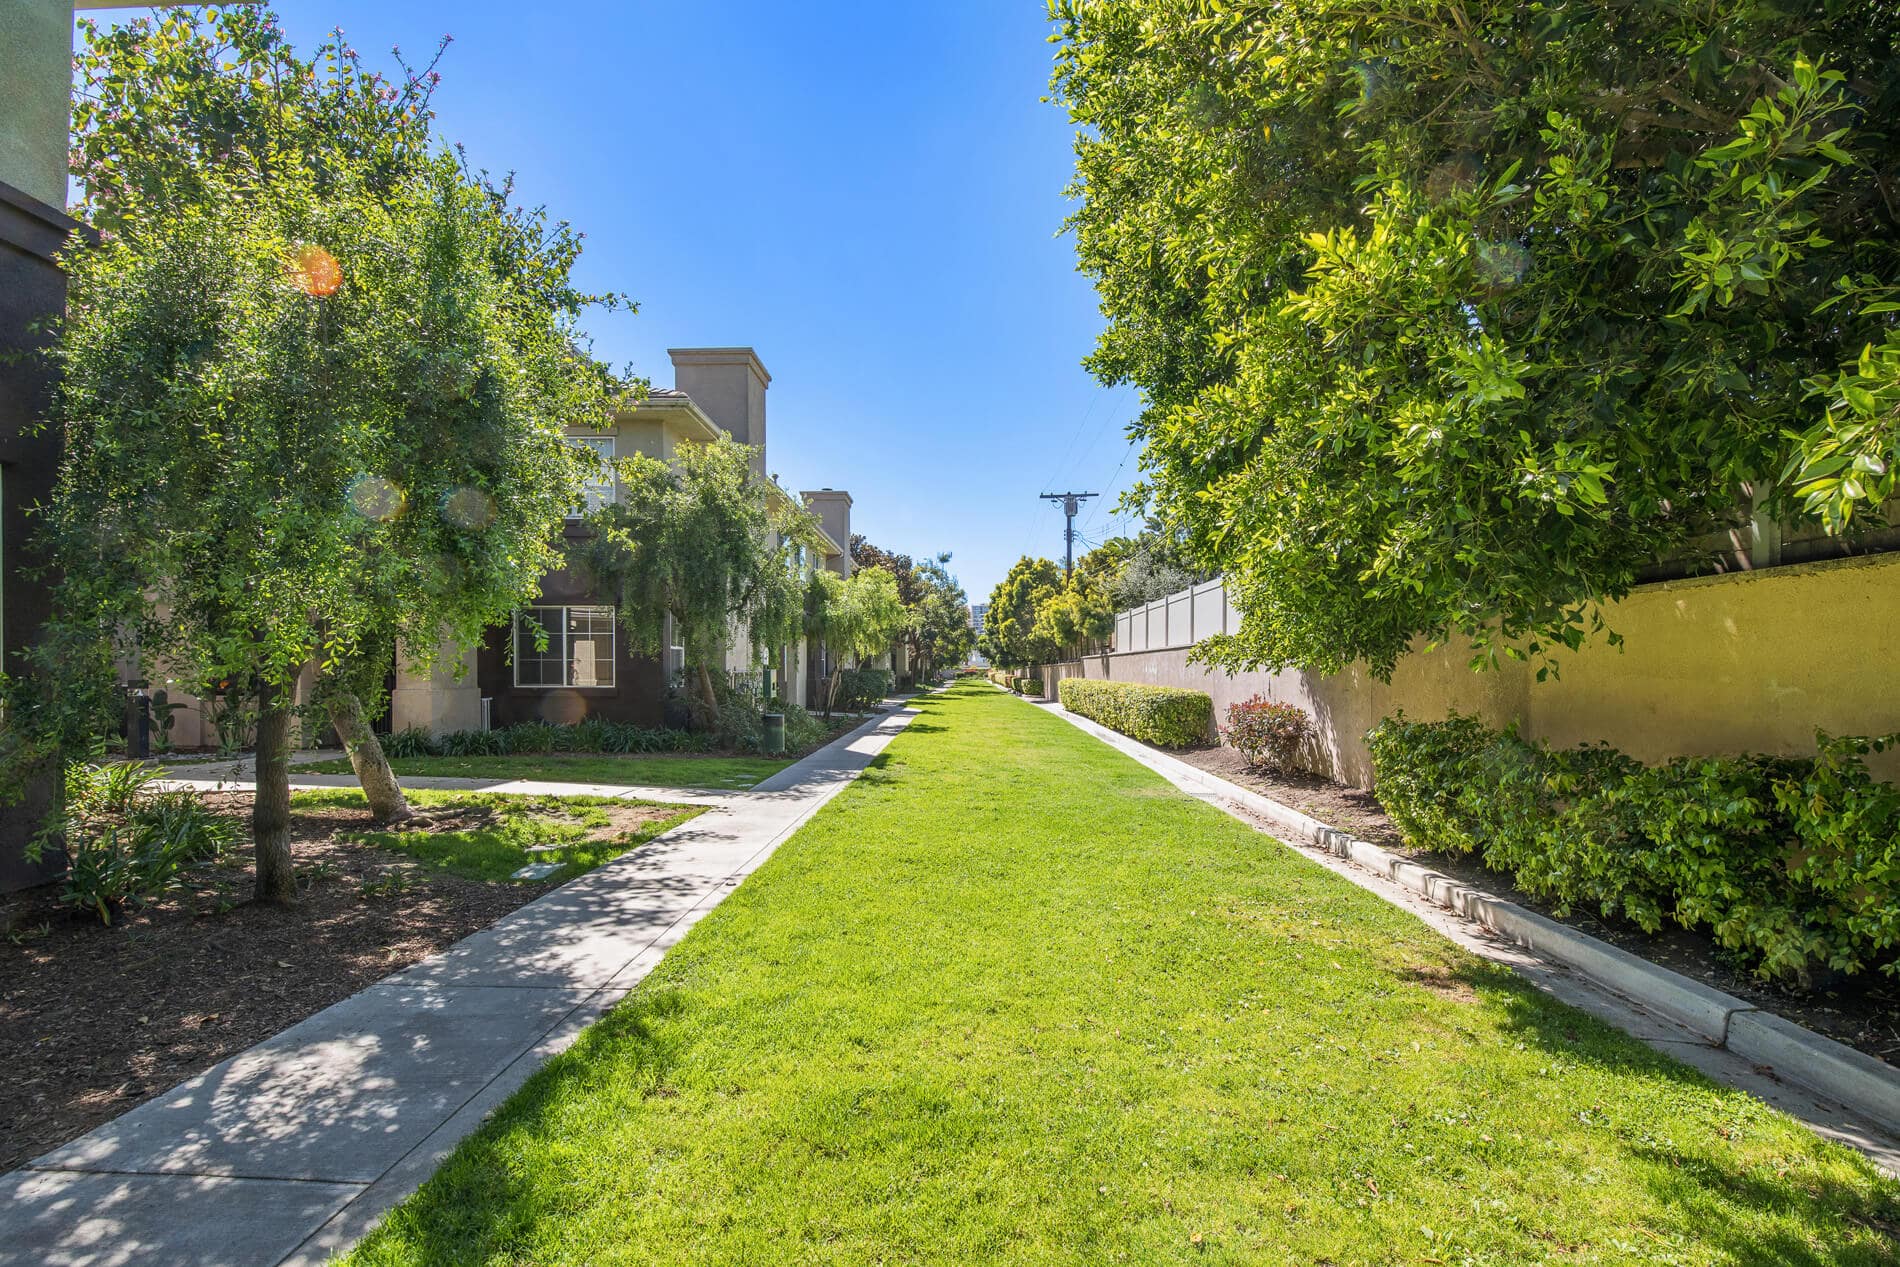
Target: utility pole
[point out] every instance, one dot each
(1071, 503)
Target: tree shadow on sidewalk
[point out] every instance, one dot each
(504, 1180)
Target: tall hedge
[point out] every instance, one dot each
(1794, 863)
(1163, 715)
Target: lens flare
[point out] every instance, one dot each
(1451, 177)
(468, 508)
(374, 497)
(1375, 79)
(1502, 265)
(315, 271)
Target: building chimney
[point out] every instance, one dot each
(833, 508)
(728, 384)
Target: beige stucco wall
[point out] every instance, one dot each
(36, 44)
(438, 697)
(1747, 662)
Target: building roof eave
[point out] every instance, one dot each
(676, 403)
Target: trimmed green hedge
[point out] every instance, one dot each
(1793, 863)
(539, 738)
(1029, 686)
(1167, 716)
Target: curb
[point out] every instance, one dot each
(1860, 1083)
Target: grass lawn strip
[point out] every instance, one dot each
(1011, 997)
(489, 836)
(645, 770)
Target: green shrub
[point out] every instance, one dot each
(1029, 686)
(595, 734)
(802, 730)
(1267, 732)
(860, 689)
(1849, 827)
(589, 735)
(415, 741)
(529, 737)
(1167, 716)
(1792, 863)
(473, 743)
(124, 843)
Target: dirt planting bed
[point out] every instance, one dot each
(95, 1020)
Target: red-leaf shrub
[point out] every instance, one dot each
(1267, 732)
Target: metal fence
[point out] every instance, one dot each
(1179, 620)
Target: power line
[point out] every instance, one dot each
(1130, 452)
(1071, 505)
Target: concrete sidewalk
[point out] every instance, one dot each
(512, 787)
(290, 1151)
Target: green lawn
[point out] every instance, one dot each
(647, 770)
(488, 834)
(1011, 998)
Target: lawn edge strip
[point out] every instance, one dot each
(1863, 1086)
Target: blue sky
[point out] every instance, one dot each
(870, 195)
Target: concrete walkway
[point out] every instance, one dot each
(290, 1151)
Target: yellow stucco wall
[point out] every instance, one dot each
(1746, 662)
(1751, 661)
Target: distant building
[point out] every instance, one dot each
(977, 612)
(565, 656)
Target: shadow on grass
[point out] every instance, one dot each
(1696, 1188)
(488, 1199)
(1821, 1201)
(1548, 1023)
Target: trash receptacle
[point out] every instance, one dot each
(774, 739)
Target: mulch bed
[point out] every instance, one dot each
(1862, 1012)
(1347, 808)
(95, 1020)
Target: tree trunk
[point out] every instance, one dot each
(270, 809)
(706, 695)
(386, 801)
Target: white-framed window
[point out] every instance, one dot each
(598, 490)
(564, 646)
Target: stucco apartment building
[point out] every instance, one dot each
(565, 657)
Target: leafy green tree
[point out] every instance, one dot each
(1452, 317)
(1075, 616)
(699, 549)
(939, 628)
(315, 381)
(854, 617)
(910, 585)
(866, 554)
(1009, 629)
(1135, 570)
